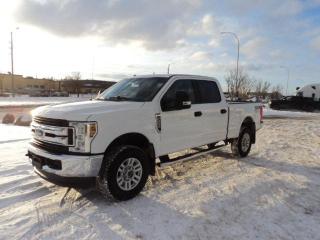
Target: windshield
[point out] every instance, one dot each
(134, 89)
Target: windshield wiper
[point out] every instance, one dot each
(119, 98)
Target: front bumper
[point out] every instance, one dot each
(64, 165)
(77, 182)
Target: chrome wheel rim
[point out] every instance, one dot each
(245, 142)
(129, 174)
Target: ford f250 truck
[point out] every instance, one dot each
(120, 137)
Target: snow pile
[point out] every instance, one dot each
(270, 113)
(272, 194)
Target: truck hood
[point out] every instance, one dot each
(81, 111)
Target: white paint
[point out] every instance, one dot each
(181, 129)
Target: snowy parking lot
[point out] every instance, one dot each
(272, 194)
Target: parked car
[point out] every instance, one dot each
(39, 93)
(5, 94)
(119, 138)
(295, 103)
(60, 94)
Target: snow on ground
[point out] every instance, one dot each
(23, 104)
(11, 133)
(25, 100)
(272, 194)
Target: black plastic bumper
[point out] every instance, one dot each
(75, 182)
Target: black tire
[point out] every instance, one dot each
(241, 146)
(107, 180)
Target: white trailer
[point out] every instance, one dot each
(310, 90)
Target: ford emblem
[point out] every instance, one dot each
(39, 132)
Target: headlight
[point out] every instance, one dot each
(84, 134)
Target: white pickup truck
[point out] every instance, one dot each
(120, 137)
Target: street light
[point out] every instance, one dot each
(288, 71)
(12, 73)
(236, 37)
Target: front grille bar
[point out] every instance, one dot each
(51, 121)
(50, 147)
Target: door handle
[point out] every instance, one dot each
(198, 114)
(223, 111)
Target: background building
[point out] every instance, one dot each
(28, 85)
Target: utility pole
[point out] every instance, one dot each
(12, 73)
(168, 68)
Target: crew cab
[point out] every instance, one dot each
(119, 138)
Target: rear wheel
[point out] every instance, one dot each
(242, 145)
(124, 173)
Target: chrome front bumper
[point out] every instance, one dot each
(71, 165)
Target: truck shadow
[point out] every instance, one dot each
(281, 166)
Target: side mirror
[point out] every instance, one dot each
(182, 100)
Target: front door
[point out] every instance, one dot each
(179, 128)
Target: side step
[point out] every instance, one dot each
(189, 156)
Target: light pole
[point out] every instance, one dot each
(288, 71)
(237, 70)
(12, 76)
(12, 72)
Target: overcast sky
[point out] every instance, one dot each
(111, 39)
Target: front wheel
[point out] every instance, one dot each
(124, 173)
(242, 145)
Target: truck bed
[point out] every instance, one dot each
(238, 111)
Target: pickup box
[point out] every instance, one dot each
(120, 137)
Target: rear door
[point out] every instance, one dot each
(213, 110)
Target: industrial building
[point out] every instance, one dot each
(27, 85)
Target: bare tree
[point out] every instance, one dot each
(262, 88)
(238, 86)
(72, 83)
(276, 92)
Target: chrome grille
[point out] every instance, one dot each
(52, 135)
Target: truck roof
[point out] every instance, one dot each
(173, 75)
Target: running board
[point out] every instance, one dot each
(189, 156)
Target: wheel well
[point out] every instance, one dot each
(249, 123)
(139, 140)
